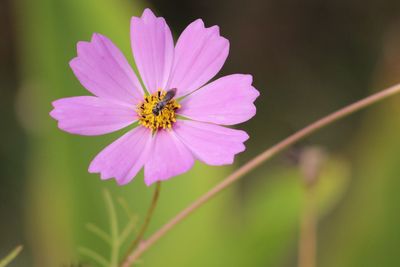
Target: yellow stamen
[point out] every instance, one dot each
(165, 118)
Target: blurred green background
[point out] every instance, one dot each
(308, 58)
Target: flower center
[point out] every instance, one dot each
(158, 110)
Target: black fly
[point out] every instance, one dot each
(161, 105)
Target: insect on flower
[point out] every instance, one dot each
(162, 103)
(180, 117)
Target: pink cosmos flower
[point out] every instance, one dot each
(178, 115)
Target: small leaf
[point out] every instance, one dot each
(114, 238)
(11, 256)
(94, 256)
(125, 208)
(98, 232)
(128, 230)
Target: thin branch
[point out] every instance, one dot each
(257, 161)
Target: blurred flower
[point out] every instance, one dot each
(177, 114)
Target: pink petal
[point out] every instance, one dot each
(124, 158)
(210, 143)
(103, 70)
(199, 55)
(153, 49)
(228, 100)
(169, 157)
(90, 115)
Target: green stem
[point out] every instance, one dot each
(257, 161)
(311, 161)
(308, 230)
(114, 230)
(147, 220)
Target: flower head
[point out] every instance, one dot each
(178, 116)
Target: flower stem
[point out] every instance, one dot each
(113, 229)
(146, 223)
(308, 230)
(257, 161)
(311, 161)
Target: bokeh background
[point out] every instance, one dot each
(308, 58)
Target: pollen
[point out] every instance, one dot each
(165, 117)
